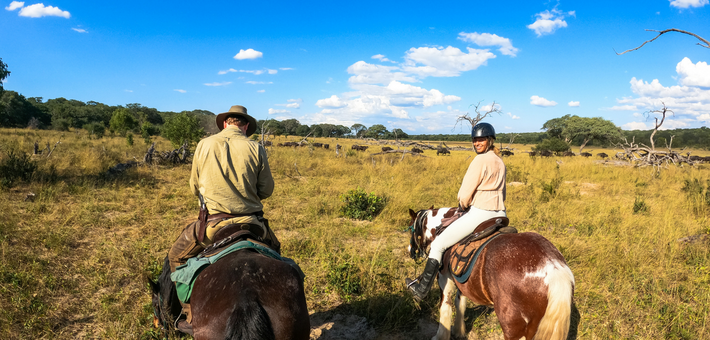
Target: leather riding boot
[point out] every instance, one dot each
(420, 287)
(185, 325)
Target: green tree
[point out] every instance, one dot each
(290, 126)
(16, 111)
(588, 129)
(377, 131)
(557, 128)
(182, 127)
(3, 74)
(122, 121)
(358, 130)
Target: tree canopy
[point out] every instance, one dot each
(569, 128)
(3, 74)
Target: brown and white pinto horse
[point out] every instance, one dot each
(522, 275)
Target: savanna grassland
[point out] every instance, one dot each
(75, 259)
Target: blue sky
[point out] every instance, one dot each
(414, 65)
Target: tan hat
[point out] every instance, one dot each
(237, 110)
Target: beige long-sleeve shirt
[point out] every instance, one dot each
(483, 186)
(231, 172)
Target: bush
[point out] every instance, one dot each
(61, 124)
(122, 121)
(96, 128)
(129, 139)
(182, 127)
(552, 144)
(640, 206)
(360, 205)
(17, 165)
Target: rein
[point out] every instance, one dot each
(417, 242)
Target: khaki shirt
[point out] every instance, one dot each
(483, 186)
(231, 172)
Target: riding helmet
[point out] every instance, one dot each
(483, 130)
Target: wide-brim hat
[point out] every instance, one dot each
(237, 110)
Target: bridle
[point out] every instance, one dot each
(417, 246)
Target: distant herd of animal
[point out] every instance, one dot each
(440, 150)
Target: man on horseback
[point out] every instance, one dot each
(481, 197)
(230, 176)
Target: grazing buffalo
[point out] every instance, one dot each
(442, 150)
(568, 154)
(417, 150)
(603, 155)
(317, 145)
(532, 153)
(359, 147)
(266, 143)
(326, 146)
(546, 153)
(585, 154)
(386, 148)
(506, 153)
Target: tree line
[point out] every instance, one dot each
(559, 134)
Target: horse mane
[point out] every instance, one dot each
(249, 321)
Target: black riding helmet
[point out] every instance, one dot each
(483, 130)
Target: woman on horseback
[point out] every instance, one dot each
(481, 197)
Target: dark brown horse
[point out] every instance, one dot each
(244, 295)
(522, 275)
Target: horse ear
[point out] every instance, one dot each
(432, 208)
(412, 213)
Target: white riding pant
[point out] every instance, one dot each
(461, 228)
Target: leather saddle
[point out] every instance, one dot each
(232, 233)
(463, 254)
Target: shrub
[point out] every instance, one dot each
(129, 139)
(182, 127)
(552, 144)
(61, 124)
(122, 121)
(96, 128)
(17, 165)
(360, 205)
(640, 206)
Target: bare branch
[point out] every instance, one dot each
(707, 44)
(479, 116)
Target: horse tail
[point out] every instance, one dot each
(560, 288)
(250, 321)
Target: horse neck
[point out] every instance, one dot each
(433, 220)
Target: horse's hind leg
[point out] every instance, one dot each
(459, 321)
(447, 287)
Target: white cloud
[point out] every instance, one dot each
(39, 10)
(693, 74)
(129, 91)
(573, 104)
(179, 90)
(512, 116)
(285, 68)
(549, 21)
(258, 82)
(15, 5)
(224, 83)
(365, 73)
(332, 102)
(487, 39)
(623, 108)
(80, 30)
(261, 91)
(634, 126)
(293, 103)
(705, 117)
(539, 101)
(254, 72)
(688, 3)
(273, 111)
(444, 62)
(381, 57)
(248, 54)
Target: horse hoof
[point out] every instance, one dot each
(184, 326)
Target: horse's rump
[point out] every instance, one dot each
(246, 278)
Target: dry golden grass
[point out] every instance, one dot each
(74, 261)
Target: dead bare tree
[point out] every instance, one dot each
(479, 116)
(510, 142)
(642, 155)
(660, 33)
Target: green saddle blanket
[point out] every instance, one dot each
(185, 275)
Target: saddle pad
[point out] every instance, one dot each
(185, 275)
(464, 255)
